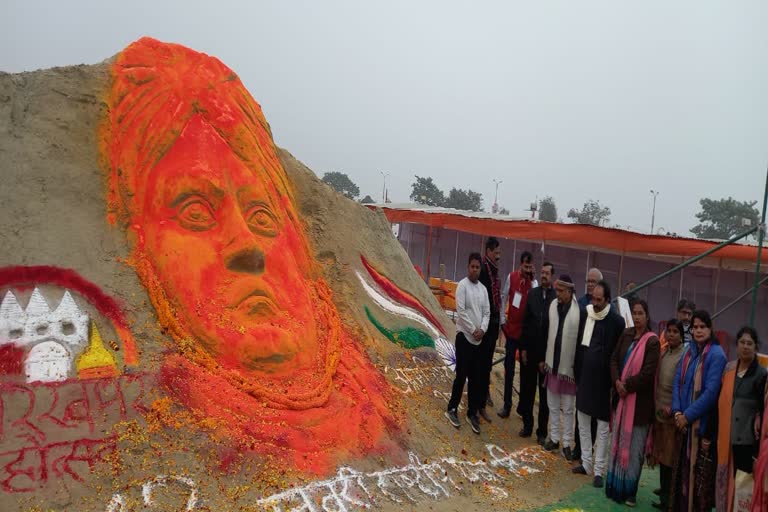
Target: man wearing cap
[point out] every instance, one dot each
(566, 327)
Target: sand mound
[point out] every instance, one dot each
(191, 320)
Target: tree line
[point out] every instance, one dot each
(718, 218)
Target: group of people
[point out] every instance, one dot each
(613, 395)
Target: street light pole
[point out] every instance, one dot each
(384, 187)
(654, 193)
(496, 196)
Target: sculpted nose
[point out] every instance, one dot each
(243, 252)
(248, 261)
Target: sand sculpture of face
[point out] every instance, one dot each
(222, 245)
(217, 241)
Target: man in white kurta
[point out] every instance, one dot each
(566, 324)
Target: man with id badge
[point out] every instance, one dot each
(514, 296)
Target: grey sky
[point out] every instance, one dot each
(578, 100)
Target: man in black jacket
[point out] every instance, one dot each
(533, 349)
(489, 276)
(593, 377)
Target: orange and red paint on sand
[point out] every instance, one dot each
(57, 432)
(60, 432)
(195, 180)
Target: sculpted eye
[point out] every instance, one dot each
(196, 215)
(261, 220)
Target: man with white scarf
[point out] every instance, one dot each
(566, 325)
(602, 331)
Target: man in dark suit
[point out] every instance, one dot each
(533, 349)
(593, 378)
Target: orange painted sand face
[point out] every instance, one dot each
(219, 247)
(228, 257)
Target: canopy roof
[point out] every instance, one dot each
(612, 239)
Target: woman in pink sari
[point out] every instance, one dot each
(633, 371)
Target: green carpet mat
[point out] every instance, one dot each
(590, 499)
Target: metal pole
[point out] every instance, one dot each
(717, 281)
(760, 236)
(621, 271)
(653, 215)
(684, 264)
(410, 235)
(680, 290)
(514, 255)
(429, 252)
(586, 273)
(737, 299)
(384, 187)
(424, 253)
(456, 257)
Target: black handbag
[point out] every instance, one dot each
(704, 478)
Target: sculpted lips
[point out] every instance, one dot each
(257, 303)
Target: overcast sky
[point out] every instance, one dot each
(578, 100)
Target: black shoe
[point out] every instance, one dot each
(579, 470)
(568, 454)
(541, 439)
(524, 432)
(598, 481)
(484, 415)
(475, 423)
(631, 502)
(657, 492)
(550, 446)
(576, 455)
(489, 402)
(503, 413)
(453, 417)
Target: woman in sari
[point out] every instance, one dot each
(740, 405)
(760, 491)
(633, 372)
(694, 405)
(664, 433)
